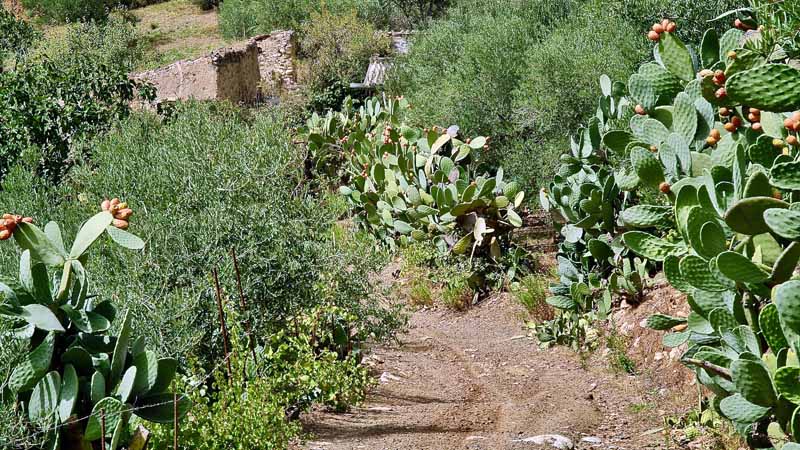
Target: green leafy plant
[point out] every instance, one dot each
(50, 105)
(76, 373)
(16, 36)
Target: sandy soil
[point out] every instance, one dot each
(475, 381)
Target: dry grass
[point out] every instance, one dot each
(177, 30)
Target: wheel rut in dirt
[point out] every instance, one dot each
(473, 380)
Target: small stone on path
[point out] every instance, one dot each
(554, 440)
(387, 377)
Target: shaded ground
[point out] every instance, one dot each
(474, 381)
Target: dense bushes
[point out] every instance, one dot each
(245, 18)
(71, 90)
(512, 69)
(336, 50)
(70, 10)
(16, 36)
(283, 237)
(693, 16)
(195, 202)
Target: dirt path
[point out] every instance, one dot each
(474, 381)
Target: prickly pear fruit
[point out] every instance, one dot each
(121, 224)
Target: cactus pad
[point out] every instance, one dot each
(753, 382)
(783, 222)
(676, 57)
(770, 325)
(784, 267)
(647, 167)
(673, 273)
(740, 410)
(747, 216)
(663, 322)
(651, 247)
(787, 382)
(739, 268)
(647, 216)
(771, 87)
(787, 299)
(787, 175)
(695, 270)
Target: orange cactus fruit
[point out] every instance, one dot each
(639, 109)
(5, 234)
(729, 127)
(791, 140)
(124, 214)
(665, 187)
(671, 27)
(106, 205)
(711, 141)
(757, 126)
(658, 28)
(653, 36)
(715, 134)
(121, 224)
(665, 23)
(27, 219)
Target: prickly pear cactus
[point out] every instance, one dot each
(718, 150)
(78, 368)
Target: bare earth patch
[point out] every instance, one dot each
(475, 381)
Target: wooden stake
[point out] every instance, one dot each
(222, 325)
(175, 416)
(103, 429)
(247, 327)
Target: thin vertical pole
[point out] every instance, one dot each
(175, 416)
(247, 327)
(223, 327)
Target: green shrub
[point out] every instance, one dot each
(482, 54)
(70, 10)
(484, 47)
(692, 16)
(558, 89)
(194, 203)
(112, 44)
(336, 51)
(311, 361)
(531, 293)
(16, 36)
(69, 91)
(245, 18)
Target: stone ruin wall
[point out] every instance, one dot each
(242, 73)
